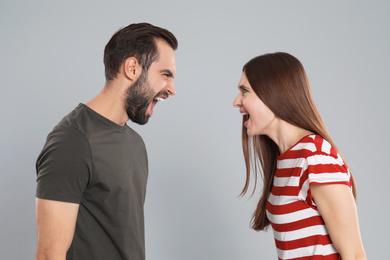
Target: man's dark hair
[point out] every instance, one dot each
(136, 40)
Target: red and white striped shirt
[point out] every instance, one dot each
(299, 229)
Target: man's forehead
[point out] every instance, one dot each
(166, 57)
(165, 66)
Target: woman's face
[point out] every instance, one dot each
(259, 118)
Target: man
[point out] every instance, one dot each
(93, 169)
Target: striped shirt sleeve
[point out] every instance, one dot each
(327, 169)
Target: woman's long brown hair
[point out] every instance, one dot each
(280, 81)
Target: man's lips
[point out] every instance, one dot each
(159, 97)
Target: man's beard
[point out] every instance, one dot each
(138, 97)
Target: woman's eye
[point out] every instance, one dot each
(243, 89)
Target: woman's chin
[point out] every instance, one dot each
(250, 133)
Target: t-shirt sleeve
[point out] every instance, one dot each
(327, 169)
(63, 166)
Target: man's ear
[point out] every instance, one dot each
(131, 68)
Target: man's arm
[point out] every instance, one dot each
(337, 207)
(56, 222)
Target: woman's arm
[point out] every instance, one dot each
(337, 207)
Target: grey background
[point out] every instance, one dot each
(51, 59)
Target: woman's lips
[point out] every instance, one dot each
(245, 115)
(246, 119)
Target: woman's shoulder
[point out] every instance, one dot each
(322, 153)
(322, 146)
(308, 146)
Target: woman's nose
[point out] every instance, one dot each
(237, 101)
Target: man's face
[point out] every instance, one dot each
(152, 86)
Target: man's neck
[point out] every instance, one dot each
(109, 103)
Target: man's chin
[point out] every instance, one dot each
(140, 116)
(143, 122)
(140, 121)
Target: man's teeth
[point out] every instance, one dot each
(159, 99)
(244, 114)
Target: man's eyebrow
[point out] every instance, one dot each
(168, 73)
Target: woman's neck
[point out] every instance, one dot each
(286, 135)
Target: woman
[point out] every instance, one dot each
(308, 193)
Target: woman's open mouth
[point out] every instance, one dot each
(245, 118)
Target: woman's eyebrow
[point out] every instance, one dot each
(242, 87)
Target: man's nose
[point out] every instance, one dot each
(171, 88)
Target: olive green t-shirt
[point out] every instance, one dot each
(91, 161)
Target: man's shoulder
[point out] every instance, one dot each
(69, 128)
(82, 120)
(73, 118)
